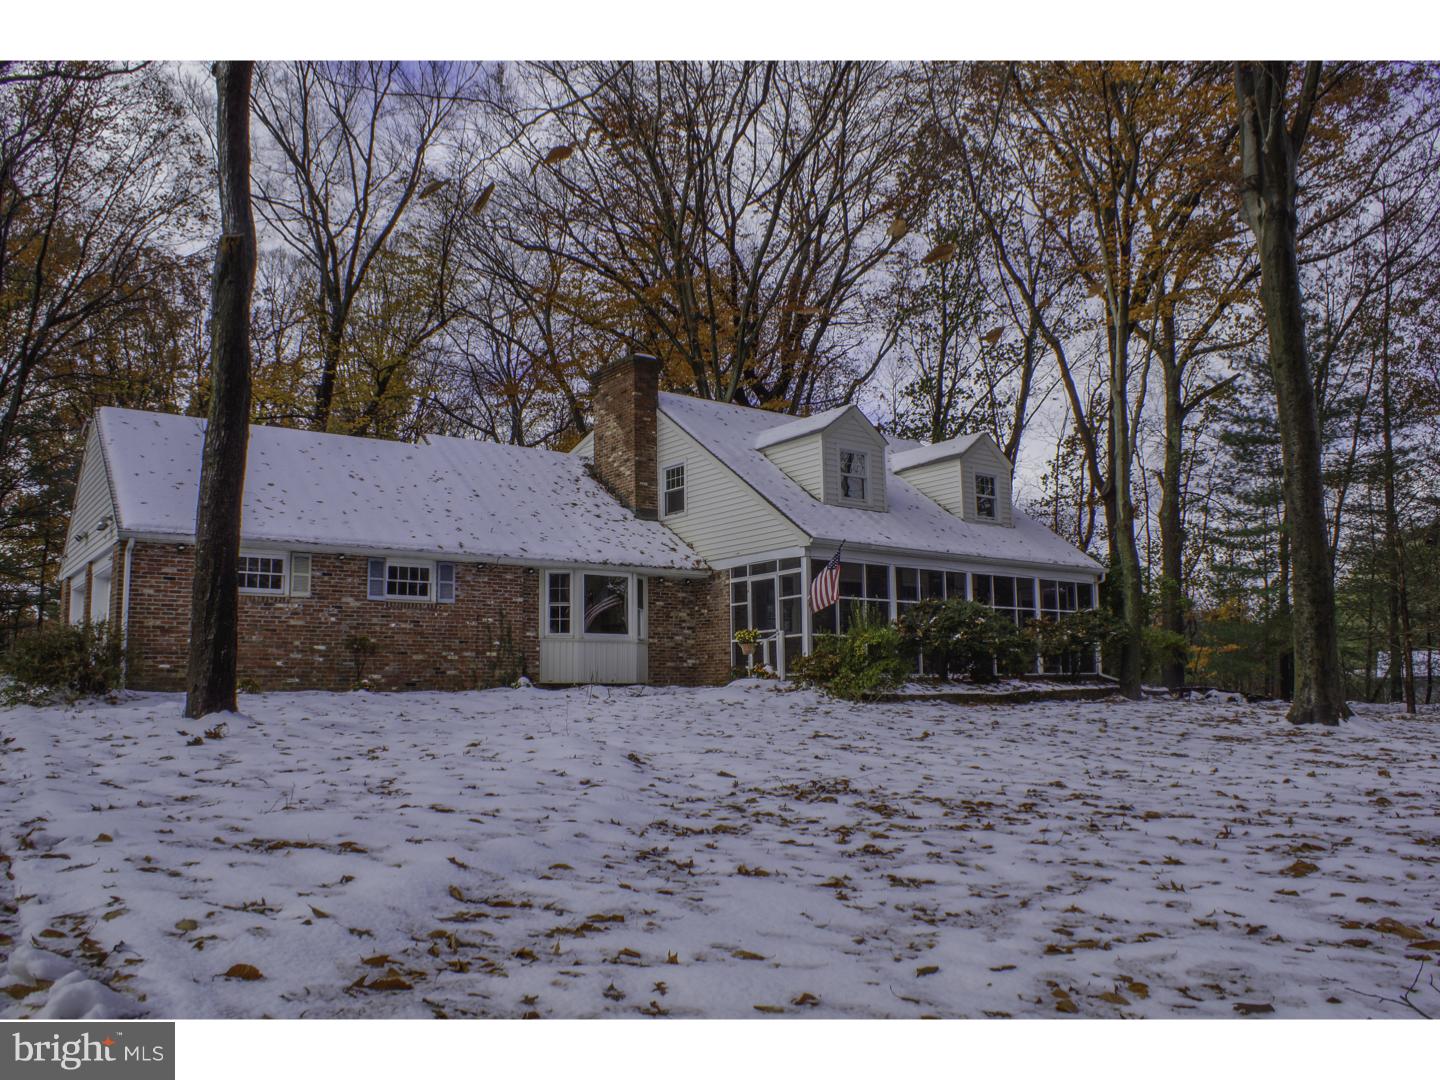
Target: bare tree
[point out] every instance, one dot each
(350, 148)
(215, 600)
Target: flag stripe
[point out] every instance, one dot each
(825, 589)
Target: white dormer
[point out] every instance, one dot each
(968, 476)
(837, 456)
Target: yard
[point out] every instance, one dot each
(739, 852)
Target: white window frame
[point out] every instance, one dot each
(282, 556)
(546, 603)
(863, 476)
(993, 496)
(435, 580)
(633, 609)
(684, 489)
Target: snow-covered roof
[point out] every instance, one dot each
(456, 497)
(913, 522)
(924, 454)
(794, 429)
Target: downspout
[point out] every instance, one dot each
(125, 614)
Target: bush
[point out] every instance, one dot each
(1074, 636)
(961, 637)
(859, 665)
(64, 661)
(1161, 647)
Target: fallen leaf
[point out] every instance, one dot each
(1245, 1008)
(247, 972)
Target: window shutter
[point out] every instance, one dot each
(377, 579)
(299, 574)
(445, 582)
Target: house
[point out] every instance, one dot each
(453, 563)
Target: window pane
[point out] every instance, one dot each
(1004, 592)
(261, 573)
(852, 579)
(955, 585)
(877, 582)
(763, 567)
(1085, 595)
(675, 489)
(980, 583)
(790, 585)
(738, 592)
(407, 582)
(605, 604)
(932, 585)
(907, 584)
(1025, 593)
(789, 564)
(1049, 597)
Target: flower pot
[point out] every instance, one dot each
(747, 647)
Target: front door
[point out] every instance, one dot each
(763, 618)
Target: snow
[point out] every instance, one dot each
(913, 523)
(925, 455)
(509, 852)
(795, 429)
(452, 497)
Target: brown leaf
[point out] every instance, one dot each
(1113, 998)
(1388, 925)
(1245, 1008)
(898, 228)
(929, 969)
(393, 982)
(771, 1009)
(992, 336)
(186, 925)
(431, 188)
(1299, 868)
(318, 913)
(104, 838)
(482, 200)
(378, 960)
(746, 954)
(248, 972)
(938, 254)
(806, 998)
(558, 154)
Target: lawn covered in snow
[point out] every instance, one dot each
(736, 852)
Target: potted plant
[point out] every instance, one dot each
(746, 637)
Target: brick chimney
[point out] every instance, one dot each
(626, 399)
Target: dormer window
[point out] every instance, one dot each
(853, 475)
(985, 497)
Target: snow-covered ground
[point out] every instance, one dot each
(742, 851)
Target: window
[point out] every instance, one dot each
(985, 497)
(607, 609)
(1015, 596)
(262, 574)
(1058, 598)
(405, 579)
(77, 599)
(674, 489)
(853, 475)
(862, 585)
(558, 602)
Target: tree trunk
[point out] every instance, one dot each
(1269, 147)
(215, 600)
(1172, 537)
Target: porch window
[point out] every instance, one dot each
(607, 608)
(558, 601)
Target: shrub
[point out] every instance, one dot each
(961, 637)
(859, 665)
(1073, 636)
(57, 660)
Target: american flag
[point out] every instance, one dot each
(609, 597)
(825, 589)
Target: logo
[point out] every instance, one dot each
(132, 1051)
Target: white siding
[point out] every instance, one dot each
(92, 503)
(986, 459)
(951, 482)
(724, 517)
(853, 432)
(941, 482)
(802, 460)
(568, 660)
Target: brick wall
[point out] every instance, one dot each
(690, 631)
(625, 403)
(301, 643)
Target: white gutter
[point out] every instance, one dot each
(125, 612)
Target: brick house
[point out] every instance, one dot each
(455, 564)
